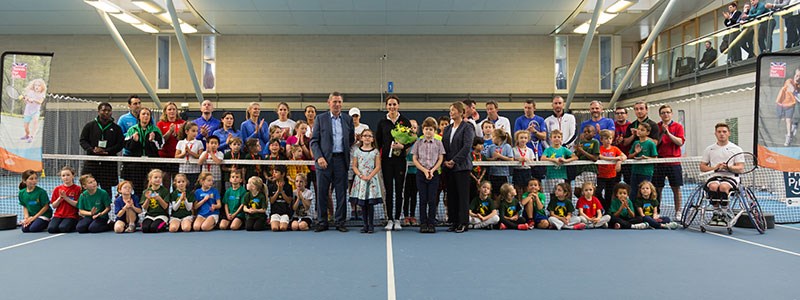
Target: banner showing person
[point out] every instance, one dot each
(777, 112)
(23, 93)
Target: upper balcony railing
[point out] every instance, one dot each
(738, 44)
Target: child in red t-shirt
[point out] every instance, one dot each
(590, 209)
(65, 202)
(607, 173)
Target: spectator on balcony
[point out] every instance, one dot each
(708, 57)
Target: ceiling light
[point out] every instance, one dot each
(165, 17)
(148, 6)
(102, 5)
(145, 27)
(605, 17)
(582, 29)
(620, 6)
(127, 18)
(186, 28)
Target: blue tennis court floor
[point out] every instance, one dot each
(609, 264)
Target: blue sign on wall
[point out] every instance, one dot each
(792, 184)
(390, 87)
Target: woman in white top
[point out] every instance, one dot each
(283, 120)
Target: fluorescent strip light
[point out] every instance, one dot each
(582, 29)
(148, 6)
(127, 18)
(605, 17)
(145, 27)
(102, 5)
(166, 18)
(620, 6)
(186, 28)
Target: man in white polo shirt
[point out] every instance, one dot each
(492, 115)
(726, 178)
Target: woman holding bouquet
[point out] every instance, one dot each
(393, 159)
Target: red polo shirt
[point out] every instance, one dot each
(666, 148)
(65, 210)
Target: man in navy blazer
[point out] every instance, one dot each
(331, 139)
(457, 140)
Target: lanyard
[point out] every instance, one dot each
(522, 154)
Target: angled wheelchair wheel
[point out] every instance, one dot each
(757, 217)
(692, 207)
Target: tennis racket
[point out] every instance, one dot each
(12, 92)
(749, 160)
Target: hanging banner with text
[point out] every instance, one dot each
(777, 112)
(23, 93)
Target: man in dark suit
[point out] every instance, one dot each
(333, 134)
(457, 140)
(731, 19)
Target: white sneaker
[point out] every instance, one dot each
(397, 226)
(389, 225)
(672, 225)
(678, 216)
(640, 226)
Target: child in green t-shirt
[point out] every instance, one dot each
(643, 148)
(155, 203)
(510, 216)
(36, 206)
(587, 148)
(93, 207)
(558, 155)
(182, 201)
(232, 203)
(561, 209)
(482, 211)
(646, 204)
(534, 203)
(622, 215)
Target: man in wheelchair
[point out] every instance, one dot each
(725, 179)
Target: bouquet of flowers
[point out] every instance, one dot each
(402, 135)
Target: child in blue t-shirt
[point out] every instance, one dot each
(502, 151)
(208, 202)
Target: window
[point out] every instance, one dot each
(162, 68)
(561, 62)
(605, 63)
(209, 62)
(733, 123)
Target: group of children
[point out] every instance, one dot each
(179, 207)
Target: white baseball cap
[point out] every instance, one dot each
(354, 111)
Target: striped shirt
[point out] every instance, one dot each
(428, 151)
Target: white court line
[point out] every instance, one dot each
(754, 244)
(392, 294)
(31, 242)
(787, 227)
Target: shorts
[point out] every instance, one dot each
(586, 177)
(162, 218)
(303, 219)
(674, 173)
(279, 218)
(549, 185)
(215, 217)
(538, 218)
(733, 181)
(520, 177)
(190, 218)
(782, 112)
(29, 118)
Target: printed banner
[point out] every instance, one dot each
(792, 182)
(23, 93)
(777, 111)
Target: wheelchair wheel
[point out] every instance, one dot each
(692, 207)
(754, 211)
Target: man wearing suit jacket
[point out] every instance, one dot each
(457, 140)
(333, 134)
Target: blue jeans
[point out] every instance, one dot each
(61, 225)
(428, 198)
(87, 224)
(654, 223)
